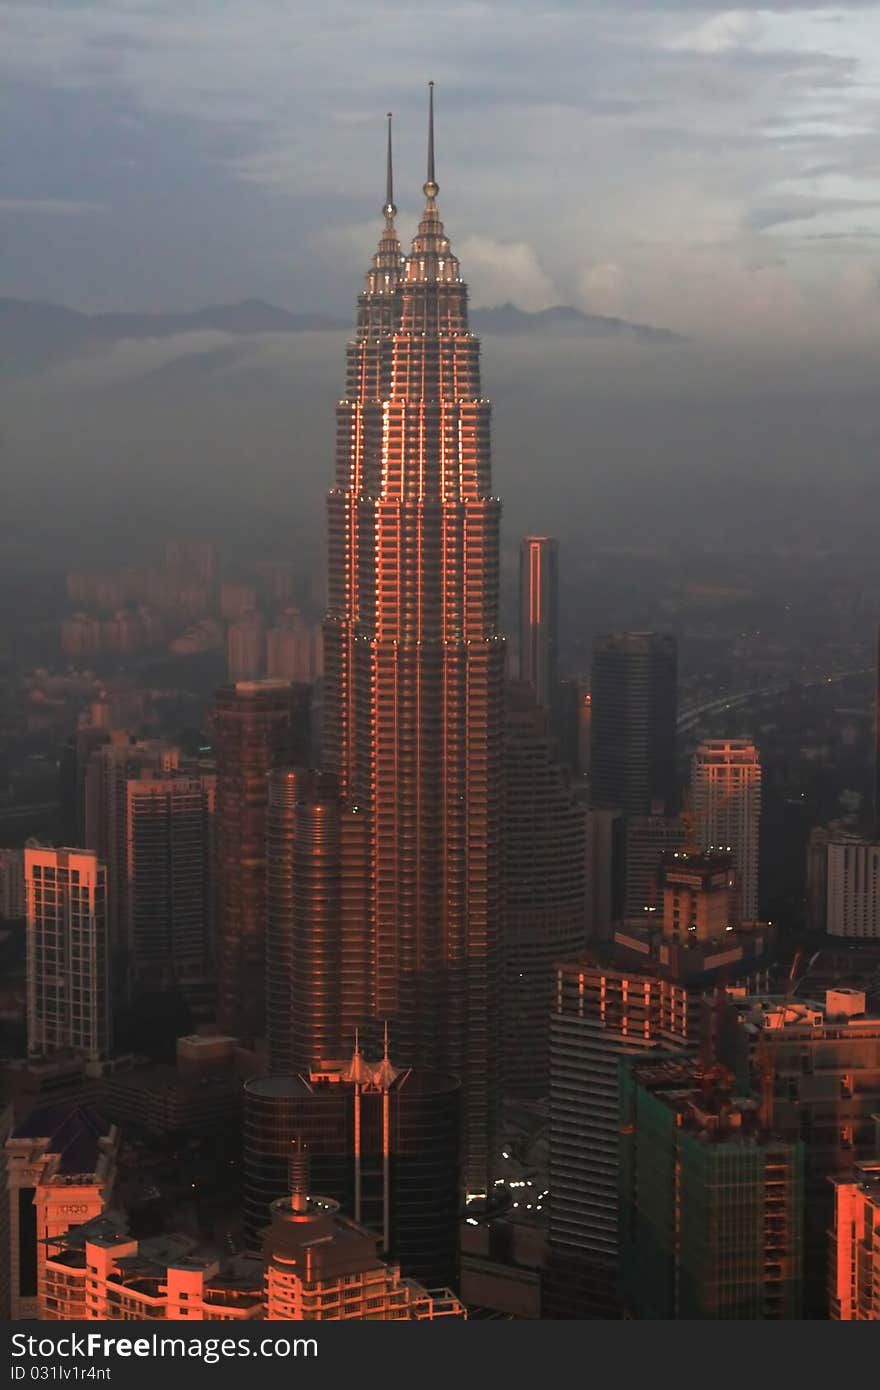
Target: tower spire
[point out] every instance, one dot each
(430, 188)
(389, 211)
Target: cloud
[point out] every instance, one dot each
(505, 271)
(719, 34)
(801, 208)
(600, 289)
(567, 134)
(53, 207)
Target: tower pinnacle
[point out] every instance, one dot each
(431, 188)
(389, 211)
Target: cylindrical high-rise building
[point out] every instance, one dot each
(539, 617)
(384, 1143)
(414, 664)
(633, 711)
(257, 725)
(316, 971)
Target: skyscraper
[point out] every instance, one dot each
(68, 958)
(633, 708)
(414, 662)
(258, 725)
(317, 971)
(726, 798)
(539, 617)
(545, 887)
(169, 889)
(384, 1143)
(110, 767)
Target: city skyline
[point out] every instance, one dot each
(413, 970)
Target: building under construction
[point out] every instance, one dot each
(711, 1198)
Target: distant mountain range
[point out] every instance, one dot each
(34, 335)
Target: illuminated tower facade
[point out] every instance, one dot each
(539, 617)
(414, 662)
(726, 797)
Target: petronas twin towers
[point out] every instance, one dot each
(414, 670)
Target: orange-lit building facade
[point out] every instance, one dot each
(414, 663)
(854, 1293)
(539, 616)
(257, 725)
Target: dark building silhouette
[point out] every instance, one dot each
(633, 711)
(545, 889)
(257, 725)
(384, 1143)
(414, 665)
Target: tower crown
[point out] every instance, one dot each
(384, 274)
(431, 260)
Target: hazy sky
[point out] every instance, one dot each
(709, 170)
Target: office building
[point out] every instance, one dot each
(539, 617)
(640, 991)
(68, 957)
(632, 715)
(545, 890)
(169, 890)
(854, 1275)
(110, 768)
(60, 1167)
(414, 664)
(648, 840)
(257, 725)
(726, 799)
(711, 1222)
(384, 1143)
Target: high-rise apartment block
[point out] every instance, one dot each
(539, 617)
(258, 725)
(633, 712)
(711, 1199)
(414, 665)
(726, 800)
(854, 1275)
(60, 1171)
(852, 887)
(68, 956)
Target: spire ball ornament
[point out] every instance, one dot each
(430, 187)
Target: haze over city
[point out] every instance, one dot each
(439, 671)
